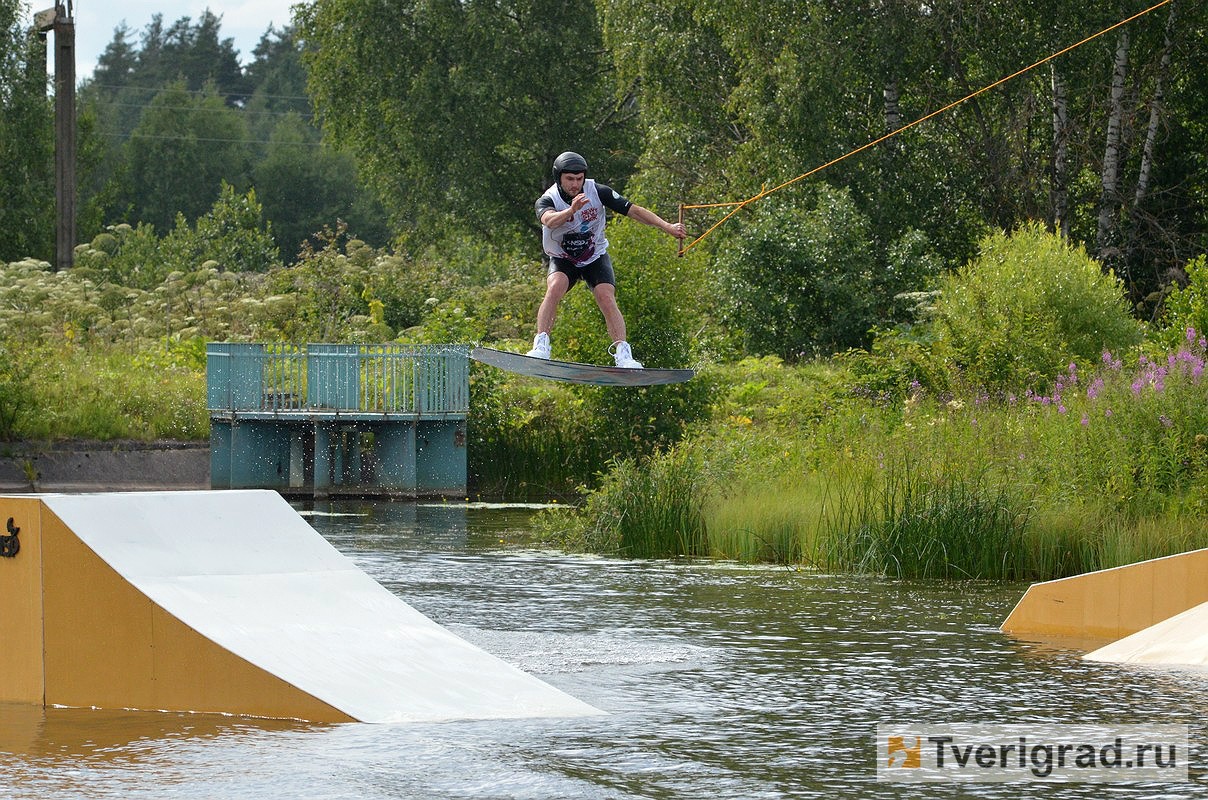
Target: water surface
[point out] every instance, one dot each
(720, 681)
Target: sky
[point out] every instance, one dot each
(244, 21)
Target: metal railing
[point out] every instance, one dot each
(358, 378)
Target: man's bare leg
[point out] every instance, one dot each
(606, 299)
(555, 288)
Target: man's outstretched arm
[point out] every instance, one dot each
(648, 217)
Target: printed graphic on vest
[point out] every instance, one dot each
(579, 245)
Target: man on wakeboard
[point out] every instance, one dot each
(572, 236)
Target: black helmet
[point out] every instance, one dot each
(568, 162)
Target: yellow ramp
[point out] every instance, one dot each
(226, 602)
(1113, 603)
(1180, 640)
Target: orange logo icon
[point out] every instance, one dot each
(904, 755)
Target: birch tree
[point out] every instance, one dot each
(1156, 113)
(1109, 198)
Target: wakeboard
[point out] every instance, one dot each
(573, 372)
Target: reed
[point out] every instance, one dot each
(645, 510)
(774, 523)
(906, 520)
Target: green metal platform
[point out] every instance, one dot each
(327, 420)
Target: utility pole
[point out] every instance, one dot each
(59, 19)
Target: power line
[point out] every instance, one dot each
(214, 110)
(163, 137)
(158, 89)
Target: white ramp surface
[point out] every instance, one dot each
(245, 571)
(1179, 640)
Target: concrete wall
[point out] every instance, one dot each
(104, 466)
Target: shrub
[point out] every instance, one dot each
(798, 281)
(232, 233)
(900, 361)
(1025, 307)
(1187, 307)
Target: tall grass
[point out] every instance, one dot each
(775, 523)
(906, 522)
(111, 392)
(1081, 538)
(1108, 467)
(901, 521)
(647, 511)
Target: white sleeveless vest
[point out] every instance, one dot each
(582, 239)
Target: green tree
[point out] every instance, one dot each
(27, 212)
(277, 79)
(305, 184)
(1167, 224)
(801, 280)
(192, 53)
(750, 94)
(184, 147)
(674, 69)
(456, 110)
(190, 56)
(128, 76)
(305, 187)
(232, 234)
(258, 120)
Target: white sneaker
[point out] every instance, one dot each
(541, 347)
(624, 356)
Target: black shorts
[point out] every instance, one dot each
(595, 273)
